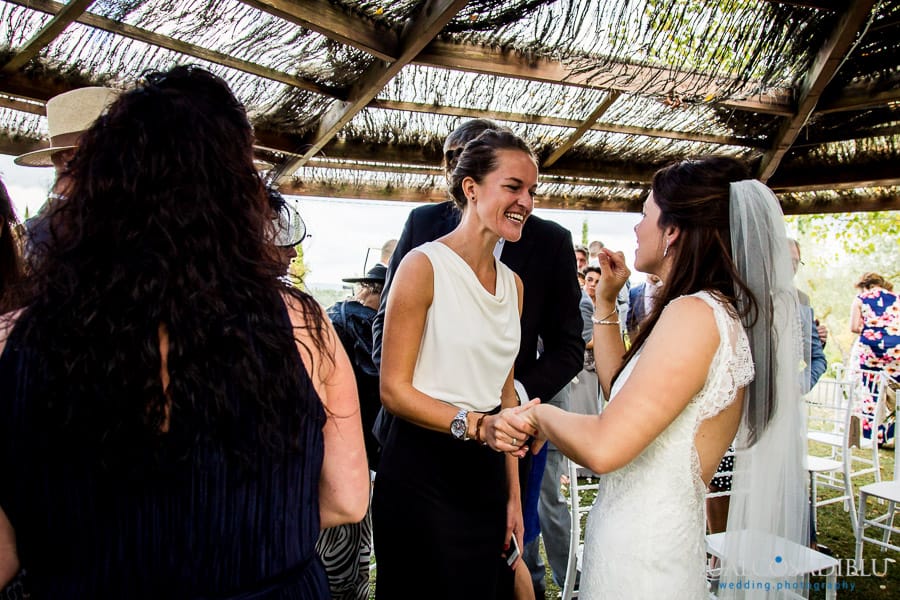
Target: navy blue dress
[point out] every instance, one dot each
(200, 528)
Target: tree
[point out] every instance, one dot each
(298, 270)
(836, 250)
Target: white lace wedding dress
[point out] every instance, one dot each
(645, 534)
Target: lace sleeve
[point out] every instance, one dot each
(732, 365)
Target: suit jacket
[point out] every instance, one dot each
(543, 258)
(636, 312)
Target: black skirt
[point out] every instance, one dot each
(439, 517)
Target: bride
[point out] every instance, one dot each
(686, 390)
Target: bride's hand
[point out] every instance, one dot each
(529, 415)
(508, 431)
(613, 275)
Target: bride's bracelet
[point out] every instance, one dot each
(604, 321)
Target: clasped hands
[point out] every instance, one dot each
(512, 430)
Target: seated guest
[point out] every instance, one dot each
(176, 422)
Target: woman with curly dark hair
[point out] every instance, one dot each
(176, 422)
(10, 260)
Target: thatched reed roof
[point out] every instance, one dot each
(354, 98)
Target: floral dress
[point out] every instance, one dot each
(879, 347)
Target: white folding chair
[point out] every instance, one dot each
(829, 422)
(866, 386)
(580, 503)
(797, 560)
(825, 467)
(833, 421)
(882, 491)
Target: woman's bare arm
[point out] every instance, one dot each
(856, 320)
(671, 370)
(344, 481)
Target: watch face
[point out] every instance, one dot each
(458, 427)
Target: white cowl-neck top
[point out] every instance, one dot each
(471, 336)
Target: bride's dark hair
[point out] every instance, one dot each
(166, 224)
(693, 195)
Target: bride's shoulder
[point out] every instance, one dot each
(692, 310)
(703, 309)
(716, 302)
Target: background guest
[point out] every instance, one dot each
(69, 115)
(387, 250)
(581, 257)
(594, 249)
(796, 261)
(346, 550)
(875, 316)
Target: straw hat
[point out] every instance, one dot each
(68, 116)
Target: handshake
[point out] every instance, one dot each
(513, 430)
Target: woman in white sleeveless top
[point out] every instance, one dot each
(726, 312)
(446, 499)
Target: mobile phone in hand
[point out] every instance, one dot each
(513, 551)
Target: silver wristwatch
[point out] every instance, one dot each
(460, 425)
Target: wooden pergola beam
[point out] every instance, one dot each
(546, 178)
(300, 187)
(582, 129)
(567, 171)
(532, 119)
(374, 168)
(188, 49)
(432, 16)
(829, 5)
(365, 35)
(874, 131)
(325, 18)
(865, 203)
(859, 99)
(40, 40)
(839, 177)
(802, 182)
(621, 77)
(22, 105)
(320, 16)
(37, 89)
(825, 65)
(14, 146)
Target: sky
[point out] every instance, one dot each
(345, 236)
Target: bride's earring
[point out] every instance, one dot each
(666, 251)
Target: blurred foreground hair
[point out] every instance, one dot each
(165, 227)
